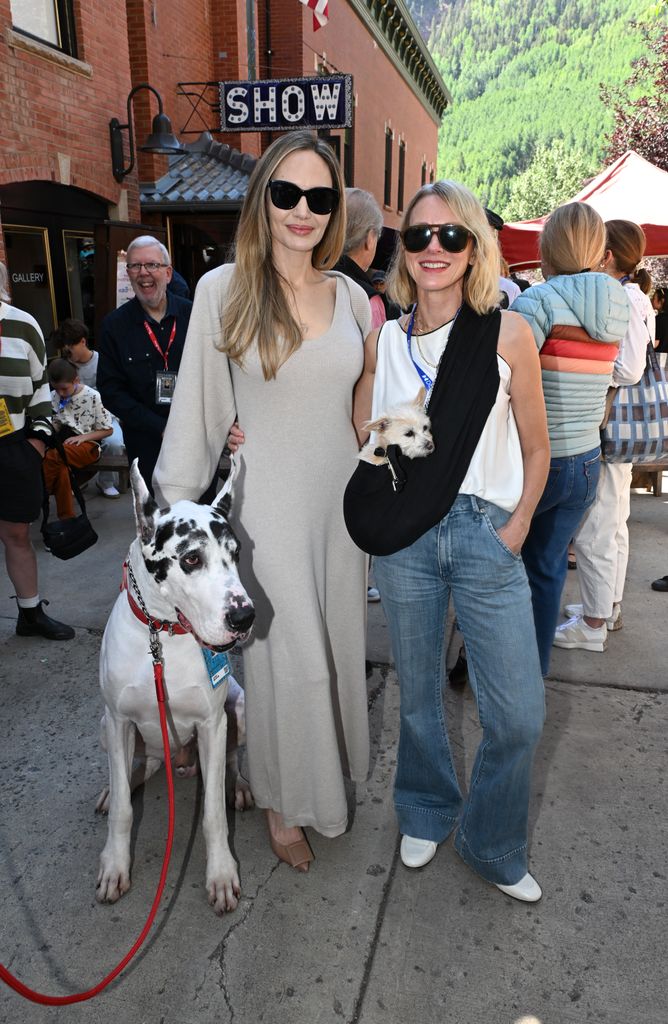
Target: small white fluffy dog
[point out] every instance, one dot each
(407, 426)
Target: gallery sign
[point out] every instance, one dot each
(280, 104)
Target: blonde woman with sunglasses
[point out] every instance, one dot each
(276, 339)
(464, 513)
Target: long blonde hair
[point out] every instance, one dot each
(481, 282)
(257, 311)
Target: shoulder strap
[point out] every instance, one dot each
(58, 444)
(359, 303)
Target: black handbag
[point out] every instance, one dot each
(66, 538)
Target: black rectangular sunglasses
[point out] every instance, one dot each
(285, 195)
(452, 237)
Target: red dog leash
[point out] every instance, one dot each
(80, 997)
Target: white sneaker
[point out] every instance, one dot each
(109, 492)
(613, 623)
(415, 853)
(372, 595)
(575, 634)
(527, 889)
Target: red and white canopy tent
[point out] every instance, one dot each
(631, 189)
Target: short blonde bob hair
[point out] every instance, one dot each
(481, 282)
(256, 307)
(572, 241)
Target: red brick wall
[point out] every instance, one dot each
(170, 42)
(383, 98)
(47, 109)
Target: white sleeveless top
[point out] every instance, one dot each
(495, 472)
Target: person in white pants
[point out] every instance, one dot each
(602, 541)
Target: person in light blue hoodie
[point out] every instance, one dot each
(578, 316)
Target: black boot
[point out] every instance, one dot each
(34, 622)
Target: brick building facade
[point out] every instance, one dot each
(66, 68)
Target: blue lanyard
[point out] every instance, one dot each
(422, 374)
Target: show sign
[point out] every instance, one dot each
(280, 104)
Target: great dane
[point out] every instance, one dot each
(181, 573)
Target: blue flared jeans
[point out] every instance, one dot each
(464, 556)
(569, 491)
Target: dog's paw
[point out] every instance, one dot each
(243, 798)
(102, 805)
(224, 891)
(113, 881)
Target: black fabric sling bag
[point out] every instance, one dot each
(382, 520)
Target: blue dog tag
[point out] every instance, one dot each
(217, 665)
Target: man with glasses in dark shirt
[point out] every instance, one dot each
(141, 344)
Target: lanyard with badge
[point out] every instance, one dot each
(427, 381)
(165, 380)
(6, 425)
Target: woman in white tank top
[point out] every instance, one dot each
(447, 267)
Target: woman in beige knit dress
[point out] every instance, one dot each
(277, 341)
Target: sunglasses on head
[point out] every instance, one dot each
(285, 195)
(452, 237)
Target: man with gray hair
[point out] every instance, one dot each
(364, 223)
(141, 344)
(25, 429)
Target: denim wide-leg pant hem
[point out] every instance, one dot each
(465, 557)
(506, 870)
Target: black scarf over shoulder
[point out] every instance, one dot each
(381, 520)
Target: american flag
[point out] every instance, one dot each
(320, 10)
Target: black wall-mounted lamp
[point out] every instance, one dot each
(161, 140)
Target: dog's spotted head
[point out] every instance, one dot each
(192, 554)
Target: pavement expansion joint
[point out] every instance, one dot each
(373, 944)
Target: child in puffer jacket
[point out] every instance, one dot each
(578, 318)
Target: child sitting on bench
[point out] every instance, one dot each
(81, 422)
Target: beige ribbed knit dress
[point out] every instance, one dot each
(304, 679)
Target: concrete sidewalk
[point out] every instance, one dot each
(360, 938)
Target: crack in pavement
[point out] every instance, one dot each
(219, 952)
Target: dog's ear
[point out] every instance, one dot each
(223, 499)
(419, 398)
(145, 505)
(380, 425)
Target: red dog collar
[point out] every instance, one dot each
(158, 625)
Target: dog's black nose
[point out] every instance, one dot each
(241, 619)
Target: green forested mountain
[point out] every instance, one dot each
(525, 78)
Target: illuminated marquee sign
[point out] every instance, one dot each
(277, 105)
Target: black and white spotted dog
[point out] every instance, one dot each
(182, 571)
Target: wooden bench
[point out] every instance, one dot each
(116, 463)
(649, 478)
(119, 464)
